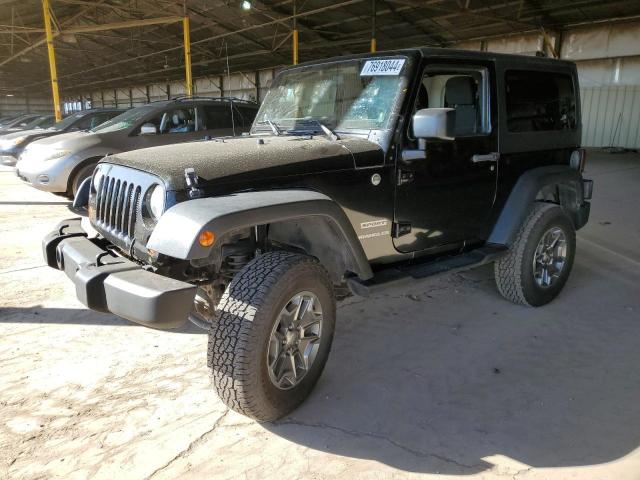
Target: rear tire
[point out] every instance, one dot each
(540, 259)
(256, 370)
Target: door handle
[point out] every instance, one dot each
(489, 157)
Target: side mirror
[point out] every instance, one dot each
(148, 129)
(434, 123)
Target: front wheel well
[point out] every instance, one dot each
(80, 166)
(318, 237)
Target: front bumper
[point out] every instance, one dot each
(47, 175)
(107, 282)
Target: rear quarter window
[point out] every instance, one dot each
(539, 101)
(217, 117)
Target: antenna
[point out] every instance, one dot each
(233, 122)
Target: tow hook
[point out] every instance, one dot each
(192, 183)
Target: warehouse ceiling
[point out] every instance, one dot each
(222, 33)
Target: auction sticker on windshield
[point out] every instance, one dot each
(382, 67)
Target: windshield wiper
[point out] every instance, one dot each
(274, 128)
(299, 125)
(328, 132)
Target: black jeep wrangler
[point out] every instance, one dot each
(359, 172)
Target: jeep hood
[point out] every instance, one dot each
(247, 159)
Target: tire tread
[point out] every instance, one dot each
(508, 269)
(232, 334)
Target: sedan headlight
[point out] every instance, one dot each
(55, 154)
(154, 201)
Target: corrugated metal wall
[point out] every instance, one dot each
(248, 86)
(20, 104)
(611, 116)
(608, 61)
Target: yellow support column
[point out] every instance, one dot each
(52, 60)
(373, 26)
(295, 47)
(187, 55)
(295, 35)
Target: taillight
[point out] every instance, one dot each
(578, 159)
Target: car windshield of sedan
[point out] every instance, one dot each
(124, 120)
(351, 95)
(67, 122)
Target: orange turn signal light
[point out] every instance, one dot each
(206, 238)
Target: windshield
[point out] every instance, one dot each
(359, 94)
(9, 119)
(67, 122)
(125, 120)
(38, 122)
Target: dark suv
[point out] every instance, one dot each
(13, 144)
(360, 172)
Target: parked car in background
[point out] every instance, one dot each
(20, 121)
(9, 118)
(60, 164)
(41, 121)
(6, 118)
(13, 144)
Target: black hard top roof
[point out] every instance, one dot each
(470, 55)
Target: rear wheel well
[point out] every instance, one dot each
(566, 195)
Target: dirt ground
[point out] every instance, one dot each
(444, 380)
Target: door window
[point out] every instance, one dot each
(177, 120)
(464, 89)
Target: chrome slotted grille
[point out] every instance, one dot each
(117, 203)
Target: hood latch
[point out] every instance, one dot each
(192, 183)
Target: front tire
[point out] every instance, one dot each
(539, 262)
(272, 334)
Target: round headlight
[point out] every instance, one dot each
(155, 201)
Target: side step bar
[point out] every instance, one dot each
(396, 276)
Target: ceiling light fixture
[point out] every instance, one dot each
(246, 5)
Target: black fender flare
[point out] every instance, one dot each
(562, 181)
(177, 231)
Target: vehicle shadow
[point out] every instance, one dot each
(447, 378)
(71, 316)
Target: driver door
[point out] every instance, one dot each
(445, 199)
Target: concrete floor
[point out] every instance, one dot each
(443, 379)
